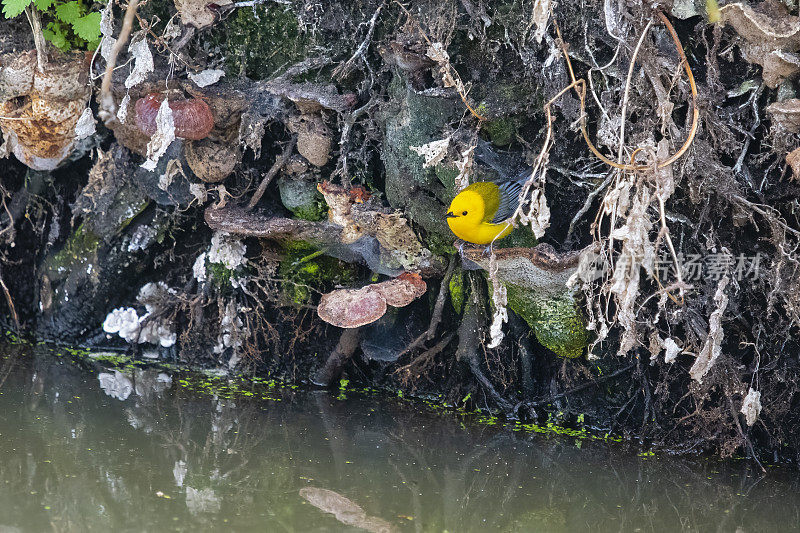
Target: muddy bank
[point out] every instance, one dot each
(262, 189)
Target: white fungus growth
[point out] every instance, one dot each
(199, 268)
(152, 294)
(127, 323)
(232, 332)
(156, 332)
(123, 321)
(226, 250)
(141, 238)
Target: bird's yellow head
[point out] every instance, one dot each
(466, 213)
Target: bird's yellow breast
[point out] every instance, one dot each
(481, 233)
(472, 209)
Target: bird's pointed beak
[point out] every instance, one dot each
(450, 215)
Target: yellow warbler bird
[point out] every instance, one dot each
(479, 214)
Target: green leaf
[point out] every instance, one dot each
(69, 12)
(88, 27)
(43, 5)
(12, 8)
(56, 35)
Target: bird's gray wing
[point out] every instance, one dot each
(509, 197)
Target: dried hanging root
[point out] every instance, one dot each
(579, 85)
(628, 202)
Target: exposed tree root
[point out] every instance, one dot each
(438, 308)
(470, 343)
(344, 350)
(237, 221)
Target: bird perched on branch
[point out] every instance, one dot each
(481, 213)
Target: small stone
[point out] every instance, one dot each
(313, 138)
(211, 161)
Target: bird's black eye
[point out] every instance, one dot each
(464, 214)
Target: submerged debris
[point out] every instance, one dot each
(344, 510)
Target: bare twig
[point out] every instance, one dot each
(184, 40)
(35, 21)
(771, 216)
(107, 111)
(344, 70)
(623, 112)
(344, 136)
(573, 390)
(271, 173)
(470, 333)
(588, 204)
(10, 303)
(441, 299)
(438, 308)
(743, 435)
(579, 85)
(237, 221)
(422, 363)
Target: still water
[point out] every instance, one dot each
(84, 450)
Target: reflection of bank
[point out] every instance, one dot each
(164, 452)
(120, 385)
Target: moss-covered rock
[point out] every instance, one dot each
(305, 269)
(258, 42)
(300, 196)
(105, 255)
(456, 289)
(414, 119)
(557, 321)
(501, 130)
(79, 250)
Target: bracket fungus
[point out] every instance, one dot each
(192, 116)
(400, 247)
(352, 308)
